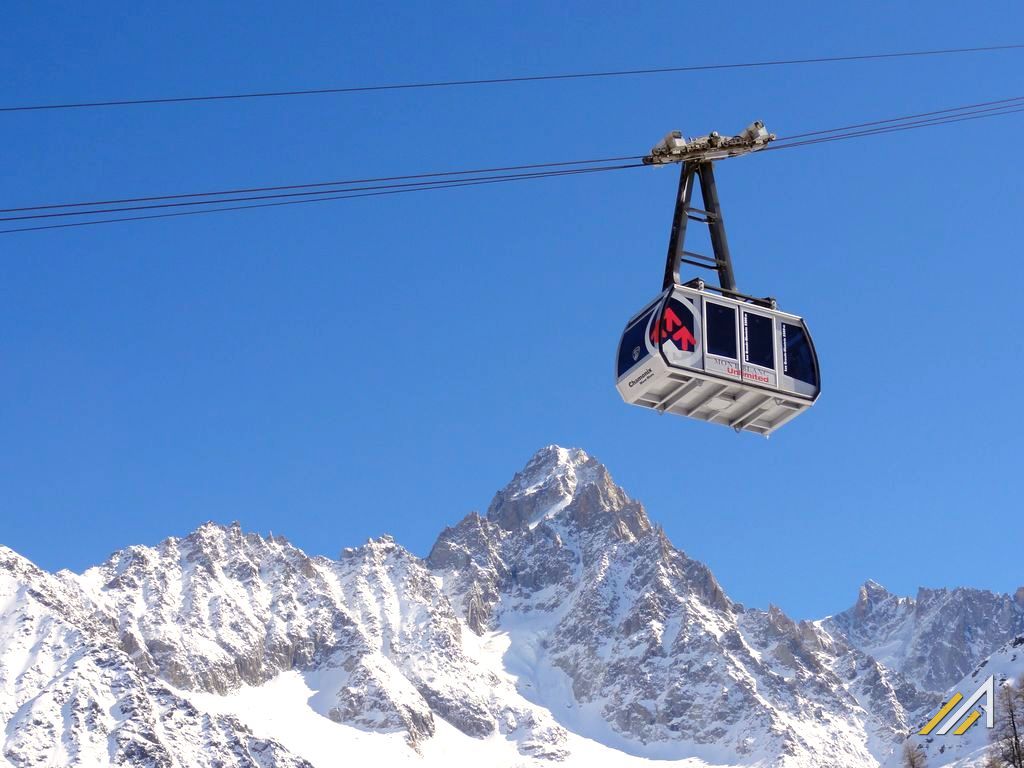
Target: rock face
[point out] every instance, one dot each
(647, 640)
(911, 635)
(561, 613)
(70, 695)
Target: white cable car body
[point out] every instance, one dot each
(692, 352)
(712, 353)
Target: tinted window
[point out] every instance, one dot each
(721, 330)
(633, 347)
(758, 348)
(797, 359)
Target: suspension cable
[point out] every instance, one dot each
(341, 190)
(508, 80)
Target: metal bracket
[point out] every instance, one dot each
(711, 215)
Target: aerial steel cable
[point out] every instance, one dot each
(337, 183)
(509, 80)
(896, 129)
(782, 142)
(182, 204)
(437, 185)
(876, 127)
(904, 117)
(955, 118)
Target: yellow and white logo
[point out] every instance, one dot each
(987, 691)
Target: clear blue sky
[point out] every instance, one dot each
(342, 370)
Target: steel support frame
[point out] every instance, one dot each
(710, 215)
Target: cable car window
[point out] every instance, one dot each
(721, 330)
(758, 346)
(797, 358)
(633, 347)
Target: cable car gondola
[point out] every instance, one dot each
(710, 352)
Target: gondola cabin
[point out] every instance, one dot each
(708, 356)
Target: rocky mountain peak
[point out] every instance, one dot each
(872, 586)
(15, 563)
(210, 542)
(567, 484)
(542, 488)
(870, 596)
(376, 550)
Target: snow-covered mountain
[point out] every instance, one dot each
(912, 635)
(561, 628)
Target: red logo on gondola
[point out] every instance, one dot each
(673, 327)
